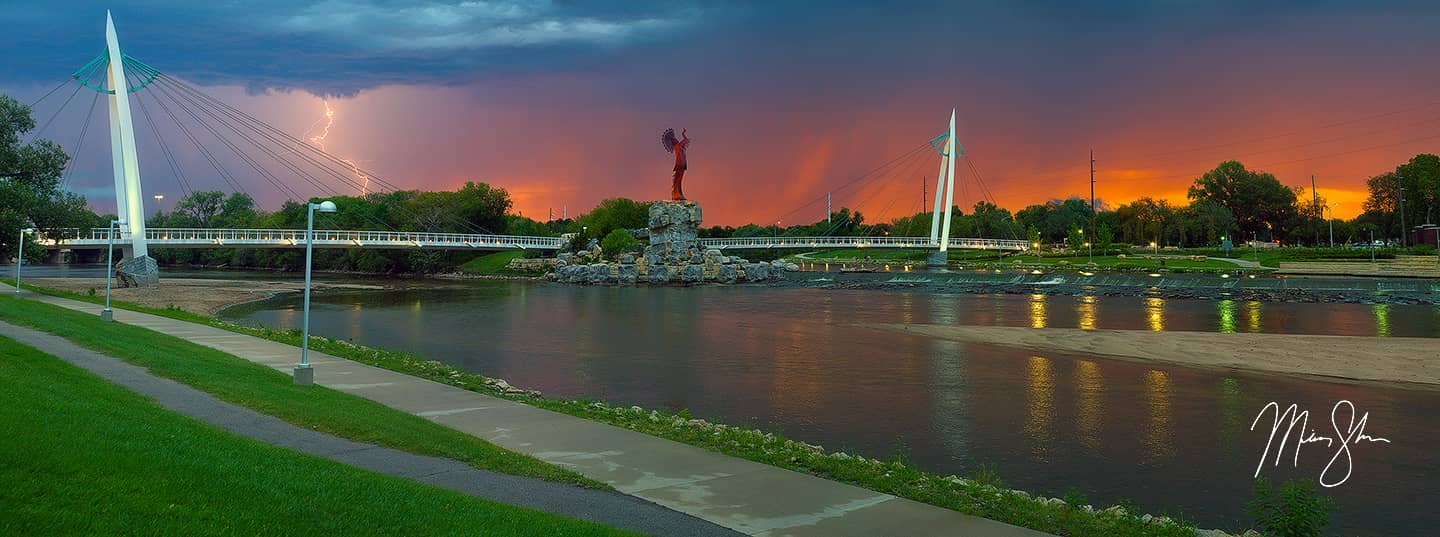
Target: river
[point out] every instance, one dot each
(788, 359)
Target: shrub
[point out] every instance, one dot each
(1296, 510)
(618, 241)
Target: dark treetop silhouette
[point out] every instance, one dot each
(678, 147)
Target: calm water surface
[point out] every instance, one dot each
(790, 360)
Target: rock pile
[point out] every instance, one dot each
(671, 258)
(710, 267)
(673, 229)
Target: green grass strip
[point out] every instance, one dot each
(81, 456)
(267, 391)
(496, 263)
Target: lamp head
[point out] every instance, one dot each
(28, 230)
(326, 206)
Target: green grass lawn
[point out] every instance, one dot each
(81, 456)
(885, 254)
(493, 263)
(1129, 262)
(265, 390)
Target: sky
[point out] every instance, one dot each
(562, 103)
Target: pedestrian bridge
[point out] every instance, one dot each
(753, 243)
(295, 238)
(324, 238)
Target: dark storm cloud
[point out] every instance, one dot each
(338, 46)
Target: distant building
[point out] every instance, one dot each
(1424, 234)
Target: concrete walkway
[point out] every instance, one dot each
(749, 497)
(603, 506)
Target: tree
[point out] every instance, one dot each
(617, 242)
(30, 191)
(991, 221)
(201, 207)
(1075, 240)
(1104, 237)
(1256, 199)
(615, 213)
(1214, 221)
(1420, 177)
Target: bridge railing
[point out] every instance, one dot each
(861, 242)
(221, 237)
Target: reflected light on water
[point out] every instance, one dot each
(1226, 308)
(1037, 311)
(1232, 422)
(1155, 314)
(1252, 316)
(1040, 391)
(1382, 320)
(1158, 441)
(1086, 309)
(1089, 389)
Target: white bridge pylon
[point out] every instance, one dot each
(129, 204)
(945, 184)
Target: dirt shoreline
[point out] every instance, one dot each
(1390, 360)
(202, 296)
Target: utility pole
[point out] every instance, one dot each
(1093, 236)
(1331, 221)
(1316, 196)
(1400, 179)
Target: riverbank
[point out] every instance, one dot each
(1154, 285)
(198, 295)
(1401, 360)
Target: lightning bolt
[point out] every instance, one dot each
(319, 141)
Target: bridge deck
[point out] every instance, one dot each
(295, 238)
(956, 243)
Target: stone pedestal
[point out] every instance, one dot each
(304, 375)
(935, 259)
(674, 226)
(140, 271)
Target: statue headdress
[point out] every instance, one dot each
(669, 140)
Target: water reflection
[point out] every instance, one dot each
(1232, 422)
(1159, 442)
(1155, 313)
(1086, 309)
(1037, 311)
(1089, 388)
(1382, 320)
(1252, 315)
(1226, 309)
(1040, 423)
(950, 397)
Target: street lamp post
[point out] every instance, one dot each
(106, 314)
(304, 374)
(20, 258)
